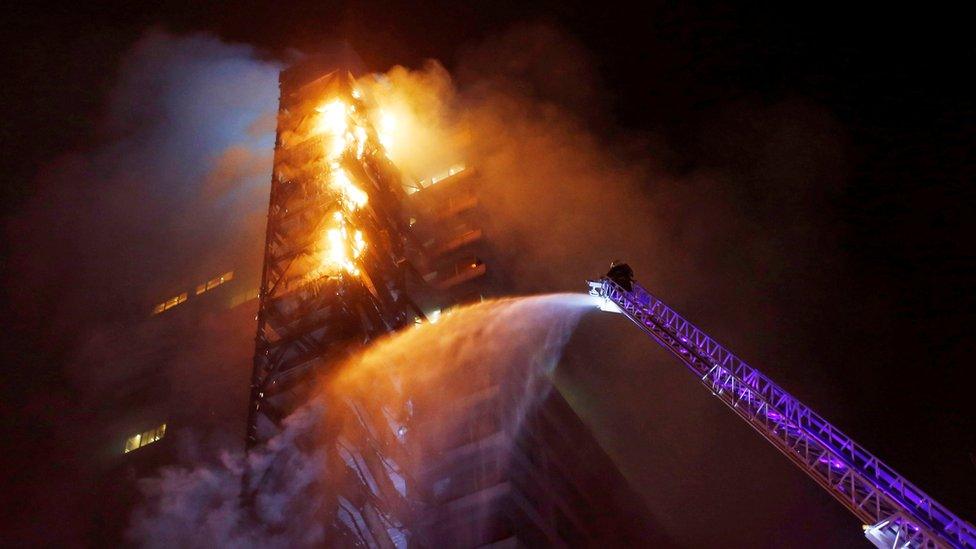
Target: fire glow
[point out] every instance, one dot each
(352, 126)
(341, 123)
(341, 247)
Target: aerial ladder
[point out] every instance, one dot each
(895, 513)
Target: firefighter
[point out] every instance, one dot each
(622, 274)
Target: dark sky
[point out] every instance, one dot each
(894, 324)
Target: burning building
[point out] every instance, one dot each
(355, 250)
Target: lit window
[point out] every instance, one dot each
(424, 183)
(454, 170)
(139, 440)
(169, 303)
(214, 282)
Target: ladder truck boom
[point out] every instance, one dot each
(894, 511)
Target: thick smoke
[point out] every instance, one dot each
(432, 364)
(171, 192)
(203, 505)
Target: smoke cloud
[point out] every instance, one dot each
(171, 192)
(203, 506)
(174, 188)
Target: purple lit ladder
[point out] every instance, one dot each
(896, 513)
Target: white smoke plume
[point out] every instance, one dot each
(203, 505)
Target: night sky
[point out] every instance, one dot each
(875, 290)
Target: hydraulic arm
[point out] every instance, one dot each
(894, 511)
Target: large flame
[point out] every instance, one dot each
(346, 126)
(333, 120)
(340, 248)
(340, 245)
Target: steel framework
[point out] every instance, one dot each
(334, 277)
(304, 319)
(896, 513)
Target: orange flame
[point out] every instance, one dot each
(333, 121)
(352, 197)
(340, 247)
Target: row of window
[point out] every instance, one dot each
(424, 183)
(214, 282)
(205, 287)
(144, 438)
(169, 303)
(454, 170)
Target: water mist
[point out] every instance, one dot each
(420, 390)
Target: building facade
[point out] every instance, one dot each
(355, 250)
